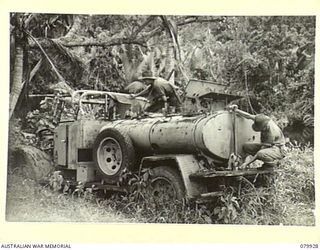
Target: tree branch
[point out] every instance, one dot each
(81, 41)
(98, 43)
(85, 42)
(141, 27)
(197, 20)
(152, 33)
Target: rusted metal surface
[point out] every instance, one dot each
(81, 135)
(199, 88)
(86, 172)
(231, 173)
(116, 105)
(60, 145)
(100, 186)
(206, 96)
(174, 135)
(211, 135)
(182, 137)
(186, 164)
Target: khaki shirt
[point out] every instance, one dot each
(272, 134)
(160, 88)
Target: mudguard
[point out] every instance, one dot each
(187, 164)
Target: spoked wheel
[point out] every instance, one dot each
(113, 152)
(167, 184)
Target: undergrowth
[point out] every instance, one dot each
(31, 202)
(288, 199)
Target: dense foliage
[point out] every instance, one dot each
(269, 58)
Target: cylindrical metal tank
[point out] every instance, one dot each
(209, 134)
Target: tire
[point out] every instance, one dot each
(166, 182)
(31, 162)
(113, 152)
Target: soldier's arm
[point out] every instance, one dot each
(245, 164)
(244, 114)
(160, 91)
(164, 98)
(145, 91)
(234, 108)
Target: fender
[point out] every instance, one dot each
(187, 164)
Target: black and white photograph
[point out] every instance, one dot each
(162, 119)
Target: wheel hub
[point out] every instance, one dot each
(109, 156)
(162, 188)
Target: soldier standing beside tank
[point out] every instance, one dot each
(161, 94)
(271, 148)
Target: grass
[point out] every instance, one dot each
(28, 201)
(289, 199)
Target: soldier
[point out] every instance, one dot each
(161, 94)
(135, 87)
(270, 150)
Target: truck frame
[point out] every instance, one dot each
(191, 155)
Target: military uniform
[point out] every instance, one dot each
(162, 88)
(272, 140)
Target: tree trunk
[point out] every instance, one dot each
(172, 50)
(169, 62)
(77, 21)
(17, 83)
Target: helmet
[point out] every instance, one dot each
(260, 121)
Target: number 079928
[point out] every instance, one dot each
(308, 246)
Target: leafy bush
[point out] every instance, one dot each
(15, 136)
(226, 212)
(288, 199)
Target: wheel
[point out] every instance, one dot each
(113, 151)
(32, 162)
(166, 183)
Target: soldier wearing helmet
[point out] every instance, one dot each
(270, 149)
(161, 94)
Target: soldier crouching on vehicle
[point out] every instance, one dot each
(271, 148)
(161, 94)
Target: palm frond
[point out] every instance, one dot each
(62, 81)
(67, 53)
(146, 65)
(133, 70)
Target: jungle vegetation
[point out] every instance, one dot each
(267, 59)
